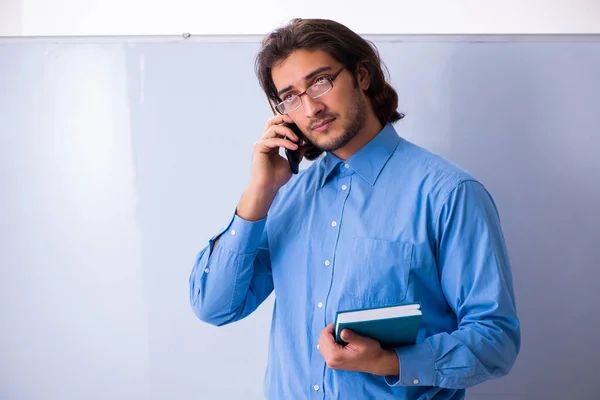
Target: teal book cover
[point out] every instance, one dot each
(391, 326)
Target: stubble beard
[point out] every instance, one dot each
(356, 121)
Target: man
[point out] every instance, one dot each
(375, 221)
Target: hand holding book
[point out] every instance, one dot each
(361, 340)
(360, 354)
(391, 326)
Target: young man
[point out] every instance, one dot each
(375, 221)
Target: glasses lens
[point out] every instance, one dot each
(289, 105)
(281, 108)
(319, 88)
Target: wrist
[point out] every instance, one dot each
(387, 364)
(255, 202)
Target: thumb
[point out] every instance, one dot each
(349, 336)
(355, 341)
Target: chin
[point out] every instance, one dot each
(333, 139)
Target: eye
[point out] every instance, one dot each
(321, 80)
(288, 97)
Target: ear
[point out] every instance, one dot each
(363, 77)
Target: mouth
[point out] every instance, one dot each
(322, 126)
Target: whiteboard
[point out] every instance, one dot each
(119, 158)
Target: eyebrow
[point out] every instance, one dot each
(306, 78)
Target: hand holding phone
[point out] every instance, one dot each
(270, 168)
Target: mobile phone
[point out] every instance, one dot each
(293, 156)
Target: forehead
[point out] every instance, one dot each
(292, 70)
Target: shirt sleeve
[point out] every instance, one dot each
(231, 281)
(476, 280)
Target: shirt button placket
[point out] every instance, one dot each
(331, 239)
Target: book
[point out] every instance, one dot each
(391, 326)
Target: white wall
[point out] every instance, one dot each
(139, 17)
(11, 17)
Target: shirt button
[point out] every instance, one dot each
(317, 347)
(233, 231)
(346, 166)
(344, 187)
(320, 305)
(316, 387)
(333, 223)
(207, 270)
(416, 381)
(327, 263)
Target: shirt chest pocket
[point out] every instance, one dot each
(379, 270)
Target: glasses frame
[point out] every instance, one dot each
(330, 79)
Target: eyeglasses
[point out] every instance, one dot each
(319, 88)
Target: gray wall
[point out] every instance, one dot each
(120, 158)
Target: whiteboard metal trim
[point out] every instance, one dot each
(380, 38)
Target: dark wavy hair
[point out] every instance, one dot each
(341, 43)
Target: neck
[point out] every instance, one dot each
(370, 129)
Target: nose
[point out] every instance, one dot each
(312, 107)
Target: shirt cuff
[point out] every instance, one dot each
(416, 366)
(241, 236)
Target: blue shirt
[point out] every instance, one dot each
(393, 224)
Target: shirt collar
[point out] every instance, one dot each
(369, 160)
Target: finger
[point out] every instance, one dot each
(329, 328)
(278, 120)
(333, 353)
(280, 131)
(327, 336)
(266, 145)
(327, 342)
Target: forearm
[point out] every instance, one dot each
(231, 281)
(467, 357)
(476, 281)
(253, 205)
(255, 202)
